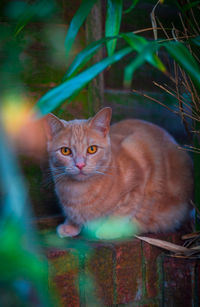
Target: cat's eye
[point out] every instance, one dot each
(66, 151)
(92, 149)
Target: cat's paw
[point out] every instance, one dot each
(67, 230)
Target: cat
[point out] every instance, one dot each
(132, 169)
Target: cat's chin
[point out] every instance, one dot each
(81, 176)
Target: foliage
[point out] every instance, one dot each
(146, 51)
(20, 262)
(23, 278)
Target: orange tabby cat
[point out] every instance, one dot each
(131, 169)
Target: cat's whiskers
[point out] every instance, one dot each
(58, 177)
(102, 173)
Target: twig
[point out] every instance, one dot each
(153, 99)
(195, 207)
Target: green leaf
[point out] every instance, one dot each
(111, 228)
(146, 49)
(130, 69)
(135, 41)
(113, 22)
(31, 11)
(131, 7)
(18, 249)
(196, 41)
(77, 22)
(146, 53)
(189, 6)
(184, 58)
(83, 57)
(56, 96)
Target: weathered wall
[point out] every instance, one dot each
(130, 273)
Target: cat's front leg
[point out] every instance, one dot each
(68, 229)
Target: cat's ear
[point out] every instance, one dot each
(52, 125)
(101, 121)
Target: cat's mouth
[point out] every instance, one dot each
(81, 175)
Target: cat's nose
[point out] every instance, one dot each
(80, 165)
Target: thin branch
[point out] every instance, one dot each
(172, 39)
(174, 95)
(196, 208)
(153, 99)
(146, 30)
(164, 29)
(189, 149)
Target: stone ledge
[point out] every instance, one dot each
(129, 273)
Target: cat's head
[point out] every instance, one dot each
(79, 149)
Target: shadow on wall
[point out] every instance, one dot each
(130, 105)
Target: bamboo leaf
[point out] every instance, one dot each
(135, 41)
(77, 22)
(83, 57)
(185, 59)
(148, 50)
(190, 5)
(56, 96)
(146, 53)
(131, 68)
(113, 22)
(131, 7)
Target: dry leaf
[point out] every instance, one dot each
(191, 235)
(196, 248)
(166, 245)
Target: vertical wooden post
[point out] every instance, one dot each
(93, 33)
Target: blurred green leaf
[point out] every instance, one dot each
(51, 239)
(17, 261)
(30, 11)
(113, 22)
(56, 96)
(77, 22)
(189, 6)
(19, 257)
(184, 58)
(196, 41)
(131, 7)
(15, 197)
(111, 228)
(15, 258)
(88, 284)
(15, 9)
